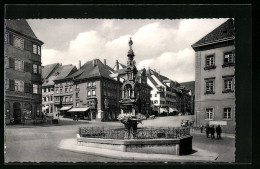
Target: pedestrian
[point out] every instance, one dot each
(201, 128)
(218, 131)
(207, 128)
(212, 132)
(76, 118)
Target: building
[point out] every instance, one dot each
(49, 73)
(190, 86)
(94, 94)
(22, 73)
(168, 97)
(215, 78)
(135, 92)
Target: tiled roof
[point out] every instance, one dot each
(47, 70)
(88, 70)
(225, 30)
(21, 26)
(60, 73)
(152, 80)
(189, 85)
(120, 71)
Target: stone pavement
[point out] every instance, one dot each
(198, 156)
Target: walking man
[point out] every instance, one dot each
(201, 128)
(212, 132)
(207, 130)
(218, 131)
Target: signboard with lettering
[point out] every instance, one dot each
(222, 123)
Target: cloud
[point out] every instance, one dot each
(164, 45)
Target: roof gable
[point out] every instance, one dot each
(48, 69)
(225, 30)
(21, 26)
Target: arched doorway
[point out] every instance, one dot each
(7, 110)
(17, 112)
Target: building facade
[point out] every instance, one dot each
(215, 78)
(190, 86)
(94, 95)
(22, 73)
(50, 73)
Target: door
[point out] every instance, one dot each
(17, 113)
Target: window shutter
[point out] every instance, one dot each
(30, 89)
(11, 85)
(11, 62)
(30, 67)
(10, 39)
(26, 87)
(27, 67)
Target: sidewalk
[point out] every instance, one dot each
(199, 154)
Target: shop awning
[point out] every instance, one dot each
(172, 109)
(66, 107)
(82, 109)
(163, 110)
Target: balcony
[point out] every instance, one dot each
(210, 67)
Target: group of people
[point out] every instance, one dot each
(211, 130)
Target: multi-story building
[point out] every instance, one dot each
(49, 73)
(22, 73)
(215, 78)
(165, 96)
(94, 94)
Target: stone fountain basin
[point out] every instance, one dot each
(178, 146)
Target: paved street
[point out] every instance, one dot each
(39, 143)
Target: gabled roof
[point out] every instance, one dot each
(152, 80)
(21, 26)
(222, 32)
(48, 69)
(60, 73)
(88, 70)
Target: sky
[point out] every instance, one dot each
(163, 45)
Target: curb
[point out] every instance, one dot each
(199, 156)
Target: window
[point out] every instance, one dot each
(36, 49)
(18, 42)
(19, 85)
(93, 92)
(227, 113)
(57, 91)
(228, 59)
(209, 85)
(77, 104)
(66, 99)
(70, 89)
(77, 95)
(77, 86)
(155, 95)
(7, 40)
(60, 91)
(35, 89)
(228, 84)
(93, 83)
(7, 62)
(19, 65)
(89, 93)
(89, 84)
(52, 89)
(156, 102)
(210, 62)
(57, 99)
(6, 84)
(209, 113)
(66, 90)
(71, 98)
(35, 70)
(47, 98)
(51, 98)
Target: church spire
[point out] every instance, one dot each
(130, 52)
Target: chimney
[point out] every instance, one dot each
(105, 62)
(117, 65)
(79, 64)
